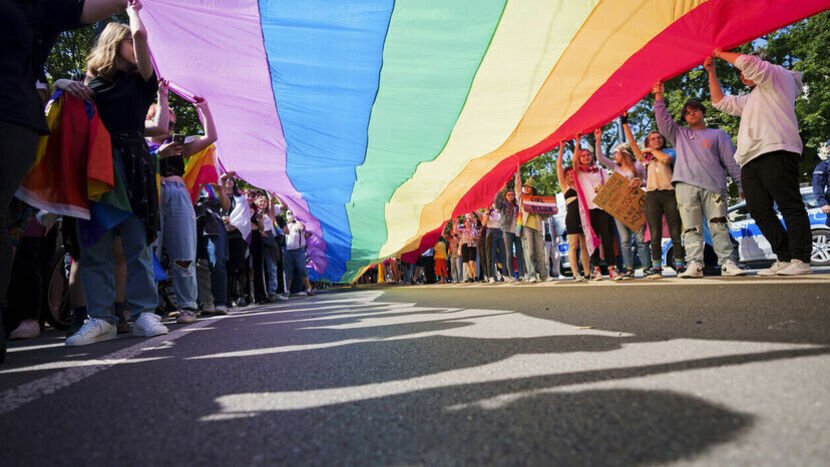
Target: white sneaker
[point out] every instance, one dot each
(532, 280)
(550, 279)
(301, 294)
(730, 269)
(94, 330)
(148, 324)
(282, 297)
(796, 268)
(693, 270)
(773, 270)
(491, 280)
(27, 329)
(221, 310)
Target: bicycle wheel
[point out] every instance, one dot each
(56, 304)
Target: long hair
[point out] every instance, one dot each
(102, 61)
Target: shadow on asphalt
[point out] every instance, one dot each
(785, 313)
(522, 420)
(439, 427)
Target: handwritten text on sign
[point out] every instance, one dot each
(545, 205)
(624, 203)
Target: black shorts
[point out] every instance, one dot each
(468, 253)
(573, 221)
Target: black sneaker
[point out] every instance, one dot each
(656, 273)
(628, 274)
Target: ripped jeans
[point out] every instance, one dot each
(178, 235)
(695, 205)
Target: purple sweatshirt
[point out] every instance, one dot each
(703, 156)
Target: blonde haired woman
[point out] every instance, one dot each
(121, 76)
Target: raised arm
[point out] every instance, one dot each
(598, 151)
(629, 136)
(141, 49)
(715, 89)
(665, 125)
(560, 172)
(161, 120)
(202, 142)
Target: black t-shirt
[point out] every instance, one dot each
(28, 30)
(171, 166)
(123, 102)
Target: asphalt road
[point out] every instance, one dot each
(706, 372)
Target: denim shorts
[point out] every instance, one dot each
(295, 264)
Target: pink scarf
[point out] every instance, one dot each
(591, 239)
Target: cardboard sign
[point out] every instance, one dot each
(544, 205)
(626, 204)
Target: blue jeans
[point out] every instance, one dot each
(495, 249)
(511, 241)
(178, 236)
(271, 274)
(217, 249)
(698, 205)
(295, 264)
(97, 272)
(625, 245)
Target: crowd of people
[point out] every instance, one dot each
(232, 245)
(684, 171)
(236, 244)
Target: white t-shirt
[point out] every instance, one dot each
(493, 219)
(587, 181)
(295, 238)
(768, 121)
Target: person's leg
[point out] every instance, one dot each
(203, 277)
(527, 246)
(538, 255)
(488, 254)
(783, 186)
(625, 244)
(520, 256)
(218, 270)
(556, 265)
(142, 294)
(25, 290)
(607, 238)
(180, 240)
(97, 274)
(17, 145)
(271, 275)
(691, 213)
(258, 267)
(508, 254)
(642, 247)
(714, 211)
(668, 201)
(654, 219)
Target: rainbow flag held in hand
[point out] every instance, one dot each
(199, 170)
(73, 164)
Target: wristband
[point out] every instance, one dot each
(624, 119)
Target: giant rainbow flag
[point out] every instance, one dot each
(377, 120)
